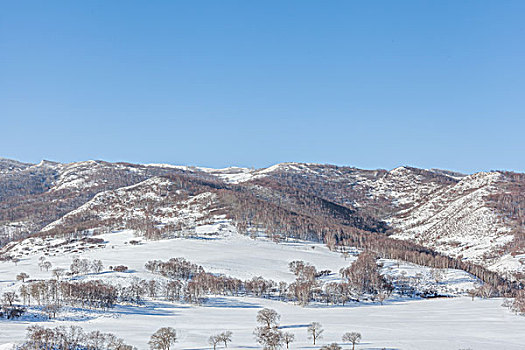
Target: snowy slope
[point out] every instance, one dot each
(445, 211)
(439, 209)
(457, 221)
(402, 323)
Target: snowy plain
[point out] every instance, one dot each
(402, 323)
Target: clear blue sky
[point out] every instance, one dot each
(373, 84)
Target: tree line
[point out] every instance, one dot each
(268, 334)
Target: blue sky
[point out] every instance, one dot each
(373, 84)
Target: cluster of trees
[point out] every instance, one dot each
(271, 336)
(176, 268)
(483, 291)
(166, 337)
(518, 304)
(268, 333)
(223, 337)
(287, 213)
(510, 203)
(53, 294)
(8, 308)
(25, 196)
(305, 285)
(177, 188)
(191, 283)
(94, 294)
(71, 338)
(415, 285)
(44, 264)
(284, 205)
(163, 339)
(85, 266)
(363, 275)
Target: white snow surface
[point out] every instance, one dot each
(453, 219)
(401, 323)
(458, 222)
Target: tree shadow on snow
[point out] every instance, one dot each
(294, 326)
(236, 346)
(147, 309)
(362, 346)
(395, 300)
(229, 303)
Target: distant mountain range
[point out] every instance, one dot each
(477, 219)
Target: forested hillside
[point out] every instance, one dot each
(431, 217)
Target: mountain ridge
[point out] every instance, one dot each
(464, 216)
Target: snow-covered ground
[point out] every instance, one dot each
(457, 221)
(217, 247)
(402, 323)
(452, 323)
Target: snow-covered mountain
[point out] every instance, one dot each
(454, 214)
(96, 227)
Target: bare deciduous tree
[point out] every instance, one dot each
(315, 331)
(58, 272)
(352, 337)
(22, 276)
(226, 337)
(288, 338)
(268, 317)
(97, 266)
(9, 298)
(52, 309)
(214, 340)
(47, 265)
(269, 337)
(163, 338)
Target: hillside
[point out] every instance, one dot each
(128, 248)
(457, 215)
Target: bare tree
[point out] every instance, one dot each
(97, 266)
(22, 276)
(437, 274)
(518, 305)
(52, 309)
(47, 265)
(288, 338)
(226, 337)
(345, 254)
(214, 340)
(352, 337)
(24, 293)
(163, 338)
(383, 295)
(153, 287)
(9, 298)
(269, 337)
(268, 317)
(72, 338)
(58, 272)
(315, 331)
(486, 291)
